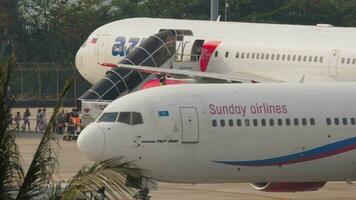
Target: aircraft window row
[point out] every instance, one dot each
(340, 121)
(263, 122)
(348, 60)
(272, 56)
(130, 118)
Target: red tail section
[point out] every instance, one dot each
(206, 52)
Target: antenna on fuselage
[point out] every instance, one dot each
(302, 79)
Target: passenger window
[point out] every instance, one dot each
(304, 122)
(263, 122)
(299, 58)
(253, 56)
(258, 56)
(222, 123)
(262, 56)
(125, 117)
(328, 121)
(136, 118)
(267, 56)
(271, 122)
(288, 57)
(242, 55)
(344, 121)
(279, 121)
(354, 61)
(312, 121)
(255, 122)
(348, 61)
(226, 54)
(247, 122)
(216, 53)
(278, 56)
(283, 57)
(310, 58)
(237, 54)
(238, 122)
(214, 123)
(343, 60)
(352, 120)
(248, 55)
(288, 122)
(231, 122)
(108, 117)
(336, 121)
(321, 59)
(296, 122)
(294, 57)
(272, 56)
(315, 59)
(305, 58)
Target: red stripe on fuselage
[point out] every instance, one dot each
(206, 52)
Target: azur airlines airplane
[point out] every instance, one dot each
(271, 51)
(208, 51)
(281, 137)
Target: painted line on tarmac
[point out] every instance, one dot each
(236, 193)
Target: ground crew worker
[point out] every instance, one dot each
(162, 80)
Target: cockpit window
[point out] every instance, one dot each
(125, 117)
(136, 118)
(130, 118)
(108, 117)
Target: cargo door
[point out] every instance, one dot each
(190, 124)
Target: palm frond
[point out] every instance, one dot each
(44, 162)
(11, 170)
(111, 174)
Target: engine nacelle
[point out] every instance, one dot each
(288, 186)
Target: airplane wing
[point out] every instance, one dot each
(238, 76)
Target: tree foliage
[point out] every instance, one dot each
(53, 30)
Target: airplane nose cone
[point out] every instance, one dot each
(91, 141)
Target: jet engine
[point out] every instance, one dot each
(288, 186)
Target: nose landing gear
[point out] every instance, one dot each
(142, 194)
(143, 186)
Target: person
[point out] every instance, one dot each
(38, 119)
(17, 121)
(61, 122)
(162, 80)
(26, 119)
(44, 119)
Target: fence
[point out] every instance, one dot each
(40, 84)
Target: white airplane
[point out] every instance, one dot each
(259, 52)
(281, 137)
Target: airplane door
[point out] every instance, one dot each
(101, 53)
(190, 125)
(333, 61)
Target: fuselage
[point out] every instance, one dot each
(283, 52)
(214, 133)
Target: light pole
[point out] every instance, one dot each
(214, 10)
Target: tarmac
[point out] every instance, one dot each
(71, 160)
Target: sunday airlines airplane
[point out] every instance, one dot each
(281, 137)
(272, 51)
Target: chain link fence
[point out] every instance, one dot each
(40, 84)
